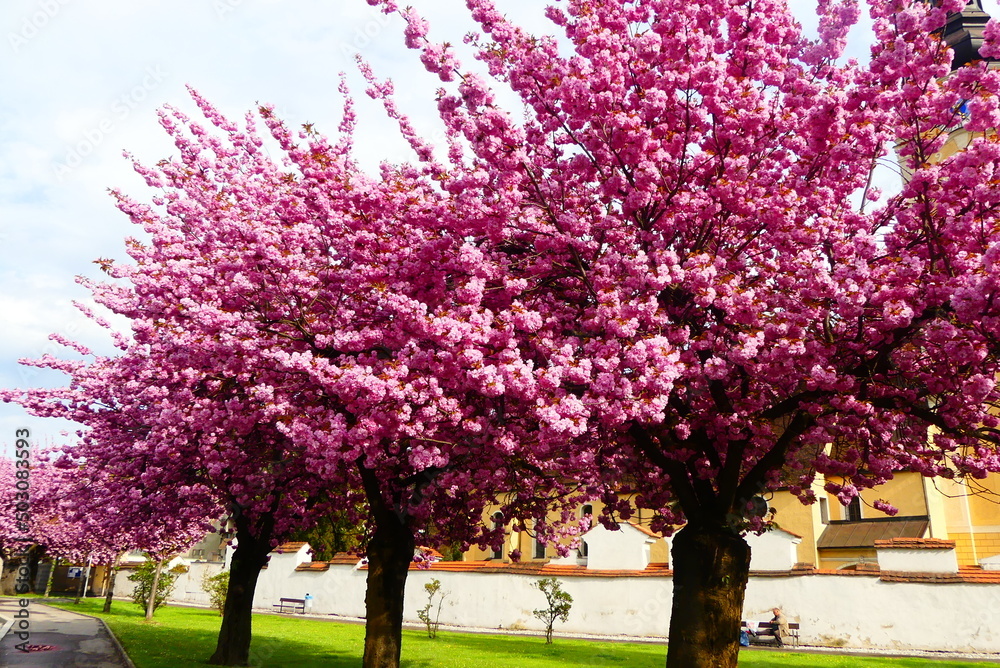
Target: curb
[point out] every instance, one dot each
(107, 629)
(119, 650)
(126, 659)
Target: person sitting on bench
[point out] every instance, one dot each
(780, 625)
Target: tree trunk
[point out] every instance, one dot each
(52, 576)
(112, 575)
(390, 553)
(711, 569)
(236, 632)
(35, 555)
(151, 602)
(8, 576)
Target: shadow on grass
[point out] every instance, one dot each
(181, 637)
(765, 658)
(531, 650)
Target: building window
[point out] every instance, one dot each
(824, 511)
(539, 552)
(588, 512)
(852, 511)
(497, 524)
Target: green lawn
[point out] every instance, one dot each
(186, 637)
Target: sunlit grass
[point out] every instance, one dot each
(181, 637)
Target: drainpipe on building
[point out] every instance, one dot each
(968, 519)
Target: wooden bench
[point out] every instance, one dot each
(765, 633)
(293, 604)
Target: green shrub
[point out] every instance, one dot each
(559, 603)
(143, 577)
(433, 622)
(217, 586)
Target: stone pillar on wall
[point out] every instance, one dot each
(775, 550)
(990, 563)
(625, 549)
(917, 555)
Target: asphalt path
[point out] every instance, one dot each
(57, 638)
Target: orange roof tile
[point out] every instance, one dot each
(430, 551)
(968, 574)
(850, 573)
(939, 578)
(916, 544)
(976, 574)
(543, 568)
(344, 559)
(288, 547)
(790, 533)
(645, 530)
(315, 566)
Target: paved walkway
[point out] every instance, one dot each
(73, 640)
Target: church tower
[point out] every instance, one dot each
(964, 33)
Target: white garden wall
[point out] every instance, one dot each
(852, 609)
(625, 605)
(187, 588)
(860, 610)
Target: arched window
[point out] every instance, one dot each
(585, 511)
(852, 511)
(539, 552)
(497, 524)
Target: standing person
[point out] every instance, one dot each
(780, 625)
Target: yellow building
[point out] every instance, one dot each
(531, 549)
(836, 537)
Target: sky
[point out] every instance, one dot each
(82, 81)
